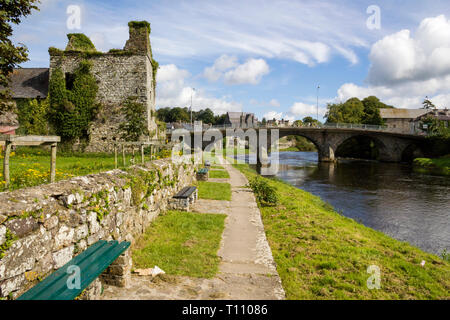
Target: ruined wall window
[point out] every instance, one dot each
(70, 79)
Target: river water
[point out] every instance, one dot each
(390, 198)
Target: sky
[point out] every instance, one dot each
(272, 58)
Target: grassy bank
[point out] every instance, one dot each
(214, 191)
(439, 166)
(323, 255)
(31, 166)
(181, 243)
(219, 174)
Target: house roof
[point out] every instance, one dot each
(402, 113)
(29, 83)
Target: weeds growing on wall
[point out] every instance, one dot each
(71, 111)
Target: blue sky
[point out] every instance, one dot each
(268, 57)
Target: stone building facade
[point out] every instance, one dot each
(120, 74)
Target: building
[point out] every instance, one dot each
(410, 120)
(241, 120)
(120, 74)
(279, 123)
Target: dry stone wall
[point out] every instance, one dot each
(42, 228)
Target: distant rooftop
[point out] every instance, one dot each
(402, 113)
(29, 83)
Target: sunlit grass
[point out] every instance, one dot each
(321, 254)
(214, 190)
(181, 243)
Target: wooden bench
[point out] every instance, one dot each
(184, 198)
(203, 174)
(91, 263)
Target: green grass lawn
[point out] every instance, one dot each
(31, 166)
(217, 167)
(214, 190)
(181, 243)
(321, 254)
(436, 166)
(219, 174)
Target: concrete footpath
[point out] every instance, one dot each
(247, 270)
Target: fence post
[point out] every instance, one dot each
(123, 155)
(115, 156)
(53, 164)
(6, 164)
(142, 154)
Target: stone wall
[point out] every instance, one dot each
(42, 228)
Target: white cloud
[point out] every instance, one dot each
(172, 91)
(301, 110)
(228, 68)
(406, 67)
(273, 115)
(274, 103)
(250, 72)
(223, 63)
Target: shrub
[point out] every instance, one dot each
(135, 125)
(80, 42)
(264, 193)
(33, 117)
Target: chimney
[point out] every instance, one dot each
(139, 41)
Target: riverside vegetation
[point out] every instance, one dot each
(321, 254)
(440, 166)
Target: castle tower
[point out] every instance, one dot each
(120, 74)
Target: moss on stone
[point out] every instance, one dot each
(139, 25)
(80, 42)
(10, 238)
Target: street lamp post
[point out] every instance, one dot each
(318, 87)
(192, 92)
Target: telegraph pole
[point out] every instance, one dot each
(318, 87)
(192, 92)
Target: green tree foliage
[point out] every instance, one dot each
(33, 117)
(354, 110)
(427, 104)
(135, 125)
(183, 114)
(12, 12)
(310, 121)
(71, 111)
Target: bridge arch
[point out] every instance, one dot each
(324, 149)
(361, 146)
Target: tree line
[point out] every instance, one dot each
(184, 115)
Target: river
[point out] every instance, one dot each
(387, 197)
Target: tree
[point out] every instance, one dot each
(372, 114)
(206, 116)
(310, 121)
(264, 121)
(12, 12)
(219, 120)
(298, 123)
(427, 104)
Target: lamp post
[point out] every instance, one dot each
(192, 92)
(318, 87)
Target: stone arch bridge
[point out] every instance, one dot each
(392, 146)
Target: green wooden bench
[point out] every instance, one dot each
(92, 262)
(203, 171)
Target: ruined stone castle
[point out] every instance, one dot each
(120, 74)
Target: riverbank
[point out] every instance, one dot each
(440, 166)
(321, 254)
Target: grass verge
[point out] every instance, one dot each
(219, 174)
(440, 166)
(31, 166)
(321, 254)
(181, 243)
(214, 190)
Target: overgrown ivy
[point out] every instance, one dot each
(79, 42)
(134, 126)
(71, 111)
(33, 115)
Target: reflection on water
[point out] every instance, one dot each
(387, 197)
